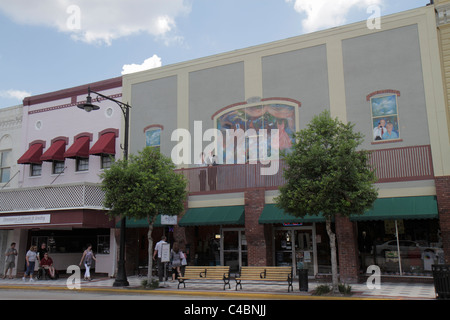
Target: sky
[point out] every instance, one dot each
(49, 45)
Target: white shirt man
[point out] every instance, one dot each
(379, 130)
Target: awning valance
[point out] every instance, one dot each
(271, 215)
(79, 149)
(141, 223)
(106, 144)
(424, 207)
(55, 152)
(32, 155)
(213, 216)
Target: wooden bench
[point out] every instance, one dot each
(278, 274)
(206, 273)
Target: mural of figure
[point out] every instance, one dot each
(285, 140)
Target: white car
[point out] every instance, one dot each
(405, 247)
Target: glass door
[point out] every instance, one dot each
(233, 246)
(294, 245)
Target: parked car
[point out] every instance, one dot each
(406, 246)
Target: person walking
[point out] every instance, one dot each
(175, 257)
(10, 262)
(88, 257)
(30, 257)
(157, 256)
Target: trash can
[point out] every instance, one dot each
(441, 278)
(303, 279)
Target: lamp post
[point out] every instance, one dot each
(121, 277)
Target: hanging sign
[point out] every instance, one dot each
(168, 220)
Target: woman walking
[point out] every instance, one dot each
(88, 257)
(31, 261)
(175, 257)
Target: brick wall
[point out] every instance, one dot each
(348, 250)
(443, 200)
(258, 236)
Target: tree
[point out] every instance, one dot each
(327, 175)
(143, 187)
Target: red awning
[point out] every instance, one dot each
(105, 145)
(33, 155)
(79, 149)
(55, 152)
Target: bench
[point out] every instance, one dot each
(206, 273)
(278, 274)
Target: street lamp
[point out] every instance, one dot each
(121, 277)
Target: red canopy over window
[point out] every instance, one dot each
(105, 145)
(79, 149)
(55, 152)
(33, 155)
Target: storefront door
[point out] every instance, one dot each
(296, 244)
(233, 248)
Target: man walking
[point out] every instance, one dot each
(157, 255)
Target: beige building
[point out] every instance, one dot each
(389, 77)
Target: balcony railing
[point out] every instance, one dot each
(391, 165)
(52, 198)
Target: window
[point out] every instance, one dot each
(419, 246)
(58, 167)
(5, 169)
(82, 164)
(72, 241)
(153, 138)
(385, 118)
(107, 160)
(103, 244)
(36, 170)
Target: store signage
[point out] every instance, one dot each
(293, 224)
(168, 220)
(165, 252)
(31, 219)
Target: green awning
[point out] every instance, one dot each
(140, 223)
(272, 214)
(213, 216)
(424, 207)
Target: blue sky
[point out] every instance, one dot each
(48, 45)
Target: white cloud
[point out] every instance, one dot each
(150, 63)
(323, 14)
(99, 21)
(14, 94)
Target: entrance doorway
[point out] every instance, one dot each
(233, 248)
(296, 244)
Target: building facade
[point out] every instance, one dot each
(388, 82)
(56, 197)
(10, 140)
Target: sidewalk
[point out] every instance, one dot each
(391, 291)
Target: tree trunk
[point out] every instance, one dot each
(151, 221)
(334, 271)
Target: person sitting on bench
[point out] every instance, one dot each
(47, 264)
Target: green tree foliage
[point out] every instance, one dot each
(327, 175)
(143, 187)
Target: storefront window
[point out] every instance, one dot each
(75, 241)
(400, 247)
(103, 244)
